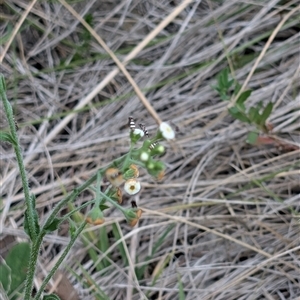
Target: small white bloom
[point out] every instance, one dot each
(144, 156)
(132, 186)
(167, 131)
(138, 131)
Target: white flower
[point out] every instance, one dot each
(144, 156)
(138, 131)
(167, 131)
(132, 186)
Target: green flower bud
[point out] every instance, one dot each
(95, 216)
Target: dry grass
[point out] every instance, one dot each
(228, 210)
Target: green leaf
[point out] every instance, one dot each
(223, 78)
(51, 297)
(252, 137)
(103, 207)
(17, 261)
(6, 137)
(5, 276)
(243, 97)
(53, 225)
(234, 111)
(266, 113)
(253, 114)
(224, 96)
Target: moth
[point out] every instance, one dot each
(143, 127)
(131, 123)
(153, 145)
(132, 126)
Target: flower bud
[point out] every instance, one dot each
(114, 176)
(136, 135)
(144, 156)
(132, 216)
(115, 194)
(157, 149)
(95, 216)
(132, 172)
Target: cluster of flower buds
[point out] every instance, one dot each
(131, 185)
(152, 148)
(125, 174)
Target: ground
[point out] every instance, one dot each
(223, 223)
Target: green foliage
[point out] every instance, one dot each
(27, 220)
(53, 225)
(256, 115)
(252, 137)
(13, 270)
(181, 289)
(223, 84)
(6, 137)
(85, 40)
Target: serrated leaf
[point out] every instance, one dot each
(243, 97)
(51, 297)
(266, 113)
(6, 137)
(252, 137)
(53, 225)
(238, 115)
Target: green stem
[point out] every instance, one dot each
(10, 117)
(60, 260)
(112, 202)
(34, 252)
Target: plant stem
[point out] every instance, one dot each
(60, 260)
(34, 252)
(29, 202)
